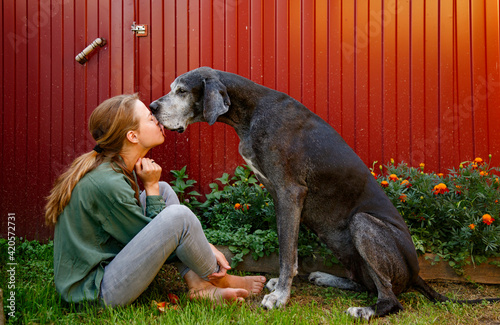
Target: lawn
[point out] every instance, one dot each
(38, 303)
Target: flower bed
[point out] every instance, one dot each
(453, 216)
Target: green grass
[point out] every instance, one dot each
(38, 303)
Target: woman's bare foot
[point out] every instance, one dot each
(201, 289)
(218, 295)
(254, 284)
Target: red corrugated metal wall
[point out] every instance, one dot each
(412, 80)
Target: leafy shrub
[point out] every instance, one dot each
(450, 215)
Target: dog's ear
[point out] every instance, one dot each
(215, 100)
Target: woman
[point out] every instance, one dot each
(110, 241)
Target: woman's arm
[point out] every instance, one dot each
(149, 172)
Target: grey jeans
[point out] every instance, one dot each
(175, 229)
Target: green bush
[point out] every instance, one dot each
(450, 215)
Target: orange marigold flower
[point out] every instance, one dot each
(404, 182)
(374, 175)
(440, 175)
(393, 177)
(402, 198)
(483, 173)
(384, 183)
(246, 206)
(237, 206)
(392, 161)
(474, 166)
(478, 160)
(487, 219)
(472, 226)
(261, 185)
(422, 166)
(441, 188)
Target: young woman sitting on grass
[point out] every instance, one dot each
(110, 241)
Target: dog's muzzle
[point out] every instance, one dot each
(154, 107)
(180, 130)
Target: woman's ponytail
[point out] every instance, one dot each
(108, 124)
(61, 193)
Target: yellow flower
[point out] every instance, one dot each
(422, 166)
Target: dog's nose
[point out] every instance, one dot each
(154, 107)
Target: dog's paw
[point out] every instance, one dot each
(320, 278)
(361, 312)
(271, 284)
(275, 299)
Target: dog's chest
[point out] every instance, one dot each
(247, 156)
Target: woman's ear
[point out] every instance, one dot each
(132, 137)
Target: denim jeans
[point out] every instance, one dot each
(175, 229)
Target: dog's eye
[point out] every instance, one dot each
(181, 91)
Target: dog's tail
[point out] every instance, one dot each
(421, 286)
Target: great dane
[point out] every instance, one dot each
(314, 177)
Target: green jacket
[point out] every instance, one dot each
(102, 216)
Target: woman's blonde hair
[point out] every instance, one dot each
(108, 124)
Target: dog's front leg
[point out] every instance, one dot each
(288, 210)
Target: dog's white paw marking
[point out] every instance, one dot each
(320, 278)
(271, 284)
(275, 299)
(361, 312)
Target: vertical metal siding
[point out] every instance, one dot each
(413, 80)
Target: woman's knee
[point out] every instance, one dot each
(168, 194)
(163, 187)
(179, 215)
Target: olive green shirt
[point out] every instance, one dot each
(102, 216)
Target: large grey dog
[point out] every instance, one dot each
(314, 177)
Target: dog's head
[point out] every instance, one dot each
(196, 96)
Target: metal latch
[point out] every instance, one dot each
(139, 30)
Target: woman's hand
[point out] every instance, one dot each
(223, 264)
(149, 173)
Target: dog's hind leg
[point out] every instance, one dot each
(380, 246)
(329, 280)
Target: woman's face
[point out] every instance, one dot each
(150, 132)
